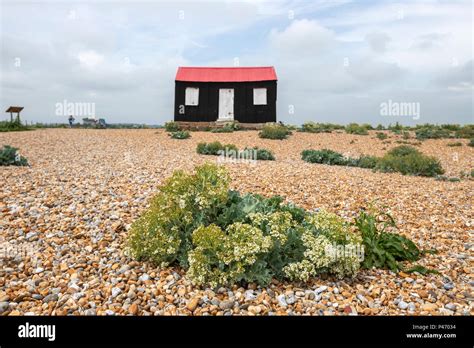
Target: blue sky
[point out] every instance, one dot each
(337, 61)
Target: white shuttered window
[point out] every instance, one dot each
(259, 96)
(192, 96)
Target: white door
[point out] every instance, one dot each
(226, 104)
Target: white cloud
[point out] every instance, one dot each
(378, 41)
(90, 59)
(302, 37)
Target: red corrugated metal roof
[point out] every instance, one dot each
(238, 74)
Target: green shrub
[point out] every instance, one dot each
(9, 156)
(471, 142)
(465, 132)
(330, 157)
(274, 131)
(354, 128)
(172, 126)
(180, 135)
(404, 159)
(323, 156)
(13, 126)
(291, 127)
(403, 150)
(409, 161)
(382, 136)
(451, 127)
(384, 249)
(446, 178)
(454, 144)
(227, 128)
(432, 132)
(418, 143)
(222, 130)
(214, 148)
(260, 154)
(406, 135)
(397, 128)
(369, 162)
(312, 127)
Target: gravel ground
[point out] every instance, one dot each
(63, 223)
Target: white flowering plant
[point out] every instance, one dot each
(222, 237)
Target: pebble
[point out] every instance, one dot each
(192, 304)
(133, 309)
(448, 286)
(430, 307)
(124, 269)
(144, 277)
(320, 289)
(361, 298)
(290, 299)
(451, 306)
(4, 307)
(282, 300)
(227, 304)
(116, 292)
(402, 305)
(50, 298)
(131, 295)
(254, 309)
(249, 295)
(31, 236)
(90, 311)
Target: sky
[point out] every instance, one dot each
(337, 61)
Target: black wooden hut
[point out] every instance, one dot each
(243, 94)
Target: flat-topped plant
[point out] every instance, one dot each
(222, 237)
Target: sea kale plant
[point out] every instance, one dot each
(313, 127)
(403, 159)
(409, 161)
(222, 237)
(9, 156)
(260, 154)
(229, 127)
(172, 126)
(354, 128)
(180, 135)
(274, 131)
(231, 151)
